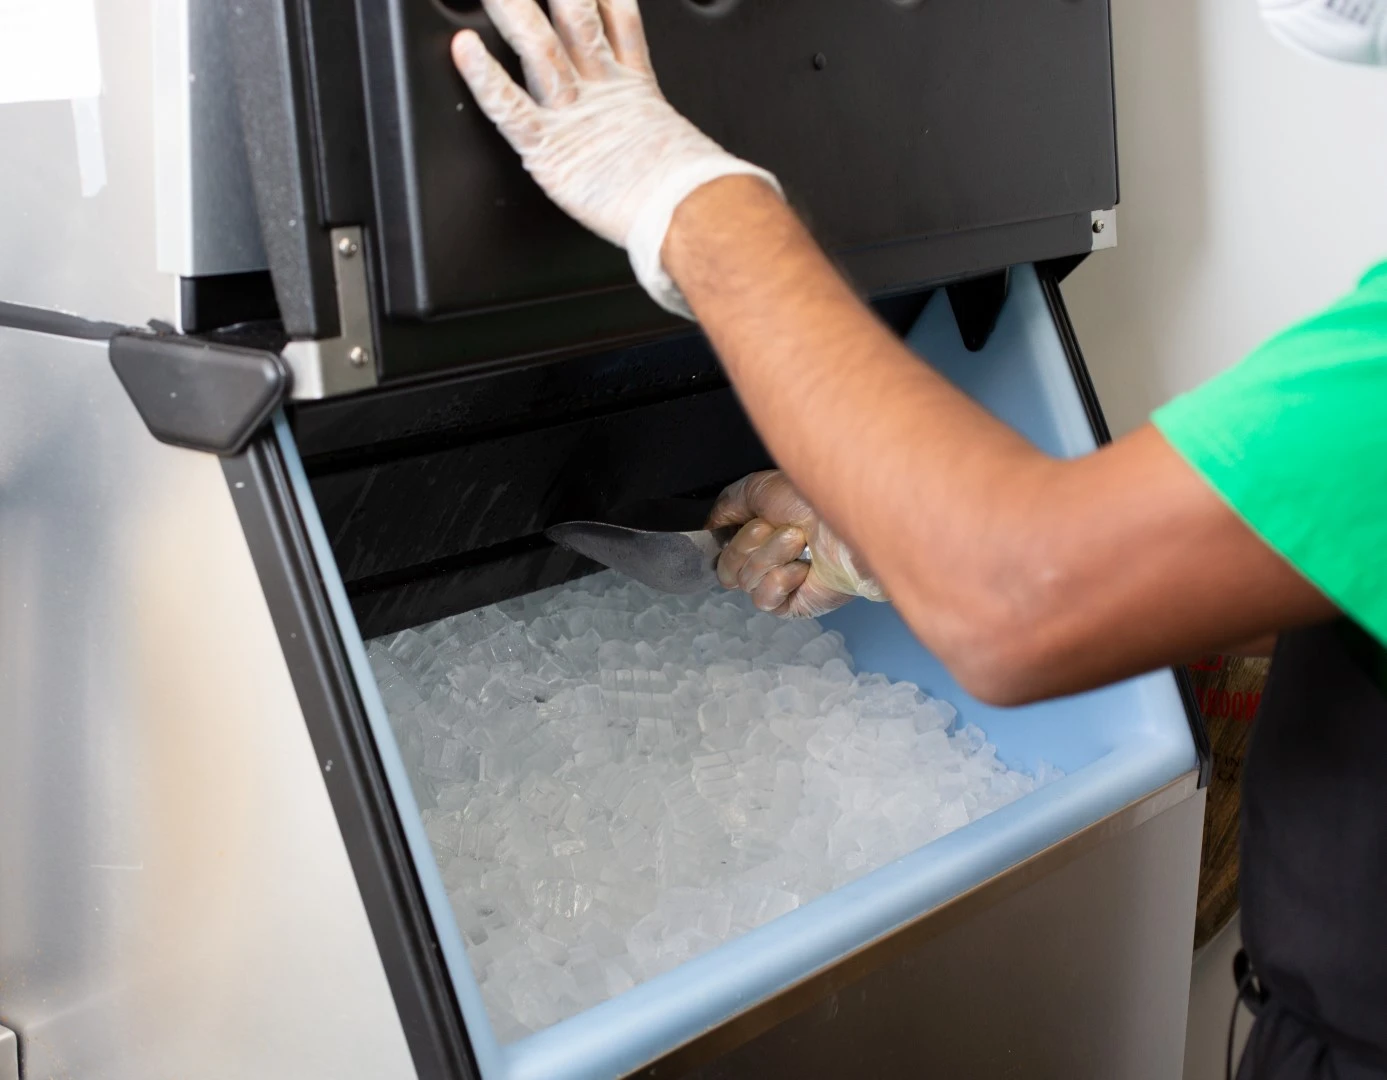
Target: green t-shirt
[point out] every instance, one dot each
(1295, 440)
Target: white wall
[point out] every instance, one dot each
(1254, 190)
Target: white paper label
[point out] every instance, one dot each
(48, 50)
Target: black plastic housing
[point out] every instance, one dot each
(924, 142)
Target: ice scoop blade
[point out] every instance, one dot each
(669, 562)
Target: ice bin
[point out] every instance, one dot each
(1122, 748)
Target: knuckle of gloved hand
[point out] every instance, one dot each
(787, 542)
(780, 584)
(588, 31)
(783, 499)
(731, 561)
(771, 594)
(768, 601)
(761, 486)
(731, 505)
(551, 82)
(752, 535)
(751, 574)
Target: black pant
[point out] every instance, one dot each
(1283, 1046)
(1314, 860)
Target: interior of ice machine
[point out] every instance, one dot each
(1114, 746)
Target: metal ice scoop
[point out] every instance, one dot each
(670, 561)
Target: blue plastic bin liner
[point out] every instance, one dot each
(1115, 745)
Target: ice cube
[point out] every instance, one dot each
(617, 780)
(653, 622)
(952, 815)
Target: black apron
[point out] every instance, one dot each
(1314, 862)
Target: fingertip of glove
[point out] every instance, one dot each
(466, 47)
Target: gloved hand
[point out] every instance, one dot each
(594, 131)
(777, 523)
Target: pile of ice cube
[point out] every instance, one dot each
(615, 781)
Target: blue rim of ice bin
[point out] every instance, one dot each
(644, 1023)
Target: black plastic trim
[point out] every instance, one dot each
(1054, 300)
(470, 581)
(977, 304)
(56, 323)
(197, 394)
(351, 770)
(332, 55)
(268, 52)
(1203, 747)
(613, 318)
(1062, 267)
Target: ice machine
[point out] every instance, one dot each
(299, 361)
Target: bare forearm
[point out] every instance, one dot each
(1028, 576)
(856, 419)
(1261, 647)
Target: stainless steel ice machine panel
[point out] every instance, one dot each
(922, 143)
(175, 896)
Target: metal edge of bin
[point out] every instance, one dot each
(1050, 276)
(803, 995)
(352, 772)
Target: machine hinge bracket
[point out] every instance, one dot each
(346, 363)
(1104, 227)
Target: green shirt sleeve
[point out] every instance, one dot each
(1295, 440)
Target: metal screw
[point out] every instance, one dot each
(347, 247)
(359, 357)
(1099, 225)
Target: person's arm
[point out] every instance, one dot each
(1261, 648)
(1028, 576)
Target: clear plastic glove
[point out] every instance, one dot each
(762, 559)
(594, 130)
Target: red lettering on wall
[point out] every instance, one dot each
(1222, 705)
